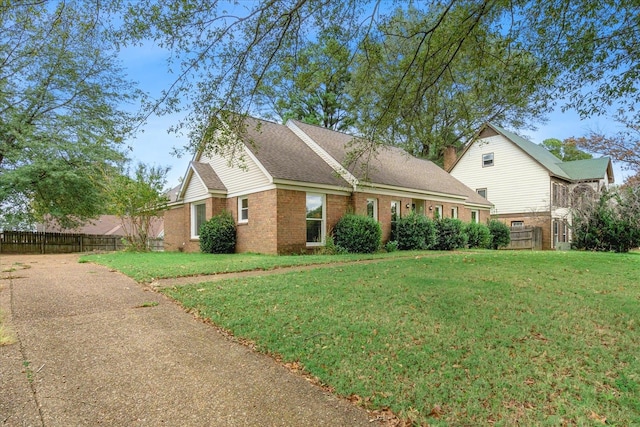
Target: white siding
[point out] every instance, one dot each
(515, 183)
(195, 189)
(241, 177)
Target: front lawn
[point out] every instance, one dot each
(147, 266)
(505, 338)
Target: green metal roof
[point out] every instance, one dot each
(538, 152)
(580, 170)
(576, 170)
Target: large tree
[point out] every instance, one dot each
(138, 198)
(225, 51)
(61, 125)
(565, 150)
(429, 85)
(313, 86)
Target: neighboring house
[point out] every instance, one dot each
(294, 185)
(527, 184)
(104, 225)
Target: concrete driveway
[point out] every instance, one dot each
(89, 353)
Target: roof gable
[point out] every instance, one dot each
(209, 178)
(537, 152)
(286, 157)
(577, 170)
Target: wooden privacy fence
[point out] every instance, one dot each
(526, 238)
(27, 242)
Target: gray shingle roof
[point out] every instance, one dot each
(287, 157)
(208, 176)
(391, 166)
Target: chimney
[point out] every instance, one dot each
(450, 157)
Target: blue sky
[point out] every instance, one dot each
(147, 66)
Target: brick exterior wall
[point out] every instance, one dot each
(292, 223)
(277, 219)
(259, 234)
(175, 228)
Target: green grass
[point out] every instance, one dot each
(505, 338)
(6, 335)
(145, 267)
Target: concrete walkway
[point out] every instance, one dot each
(89, 352)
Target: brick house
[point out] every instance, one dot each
(293, 184)
(527, 184)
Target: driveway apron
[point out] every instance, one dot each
(95, 348)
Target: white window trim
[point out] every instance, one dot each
(375, 208)
(437, 211)
(396, 203)
(240, 219)
(492, 160)
(323, 226)
(454, 212)
(194, 232)
(477, 220)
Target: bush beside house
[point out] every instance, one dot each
(451, 235)
(478, 235)
(357, 234)
(415, 232)
(500, 234)
(218, 235)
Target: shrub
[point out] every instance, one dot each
(415, 231)
(609, 224)
(330, 248)
(218, 235)
(478, 235)
(500, 234)
(450, 234)
(391, 246)
(358, 234)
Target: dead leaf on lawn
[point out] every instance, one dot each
(598, 418)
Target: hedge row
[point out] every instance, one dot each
(362, 234)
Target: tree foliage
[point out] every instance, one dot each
(427, 83)
(139, 201)
(313, 86)
(446, 58)
(60, 120)
(565, 150)
(610, 223)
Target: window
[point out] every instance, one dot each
(372, 208)
(487, 160)
(482, 192)
(437, 211)
(395, 216)
(560, 232)
(198, 217)
(315, 219)
(517, 224)
(243, 209)
(454, 212)
(475, 217)
(560, 196)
